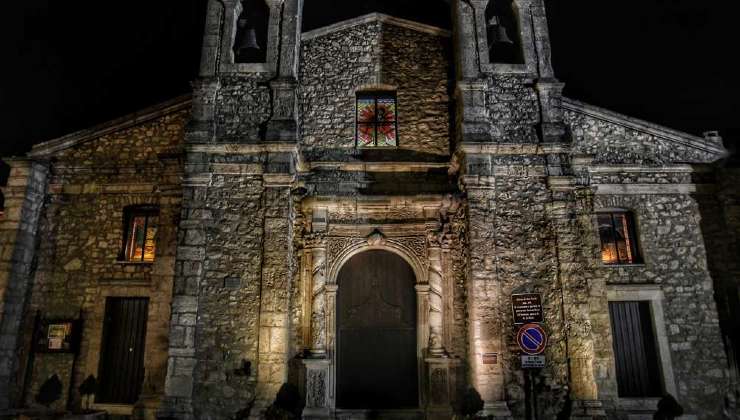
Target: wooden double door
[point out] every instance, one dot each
(377, 363)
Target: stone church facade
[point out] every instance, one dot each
(362, 201)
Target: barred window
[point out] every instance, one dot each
(140, 239)
(377, 120)
(618, 238)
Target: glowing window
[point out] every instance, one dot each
(141, 234)
(618, 238)
(377, 120)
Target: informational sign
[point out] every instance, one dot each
(533, 362)
(58, 336)
(527, 308)
(490, 358)
(532, 339)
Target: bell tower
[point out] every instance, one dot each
(513, 154)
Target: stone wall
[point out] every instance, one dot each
(513, 109)
(512, 249)
(242, 107)
(631, 141)
(82, 231)
(671, 241)
(229, 303)
(336, 65)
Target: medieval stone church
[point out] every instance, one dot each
(384, 217)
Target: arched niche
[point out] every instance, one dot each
(320, 13)
(250, 42)
(504, 33)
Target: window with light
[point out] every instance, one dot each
(618, 238)
(140, 239)
(377, 120)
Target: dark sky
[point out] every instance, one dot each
(68, 65)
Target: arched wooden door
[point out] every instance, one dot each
(376, 333)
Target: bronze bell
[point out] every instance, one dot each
(247, 39)
(499, 36)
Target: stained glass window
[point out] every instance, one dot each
(141, 234)
(618, 238)
(377, 120)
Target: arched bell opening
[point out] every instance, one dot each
(376, 333)
(504, 33)
(250, 43)
(320, 13)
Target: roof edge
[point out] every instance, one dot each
(375, 17)
(51, 147)
(646, 127)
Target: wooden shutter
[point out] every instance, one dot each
(638, 372)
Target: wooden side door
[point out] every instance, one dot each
(121, 371)
(376, 337)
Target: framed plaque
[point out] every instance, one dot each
(58, 336)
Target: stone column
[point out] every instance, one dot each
(471, 87)
(436, 305)
(272, 368)
(484, 298)
(282, 126)
(211, 39)
(24, 201)
(189, 268)
(317, 246)
(579, 296)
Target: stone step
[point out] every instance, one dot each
(379, 415)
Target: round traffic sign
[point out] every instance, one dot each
(532, 339)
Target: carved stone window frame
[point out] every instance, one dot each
(232, 11)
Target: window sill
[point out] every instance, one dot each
(636, 265)
(141, 263)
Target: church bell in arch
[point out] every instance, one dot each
(247, 38)
(499, 36)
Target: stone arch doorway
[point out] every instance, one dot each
(376, 349)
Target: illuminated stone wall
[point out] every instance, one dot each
(80, 239)
(337, 63)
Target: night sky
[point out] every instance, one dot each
(71, 64)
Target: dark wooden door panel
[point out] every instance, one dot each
(122, 354)
(636, 357)
(376, 340)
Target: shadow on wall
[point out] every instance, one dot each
(720, 228)
(4, 172)
(320, 13)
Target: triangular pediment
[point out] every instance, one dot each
(372, 18)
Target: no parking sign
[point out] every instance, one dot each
(532, 339)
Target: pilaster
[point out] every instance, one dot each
(24, 202)
(189, 268)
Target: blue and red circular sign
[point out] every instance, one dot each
(532, 339)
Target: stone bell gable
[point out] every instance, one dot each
(376, 52)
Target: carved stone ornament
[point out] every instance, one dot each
(376, 238)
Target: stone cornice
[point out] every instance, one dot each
(684, 139)
(376, 166)
(513, 148)
(654, 189)
(52, 147)
(241, 149)
(375, 17)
